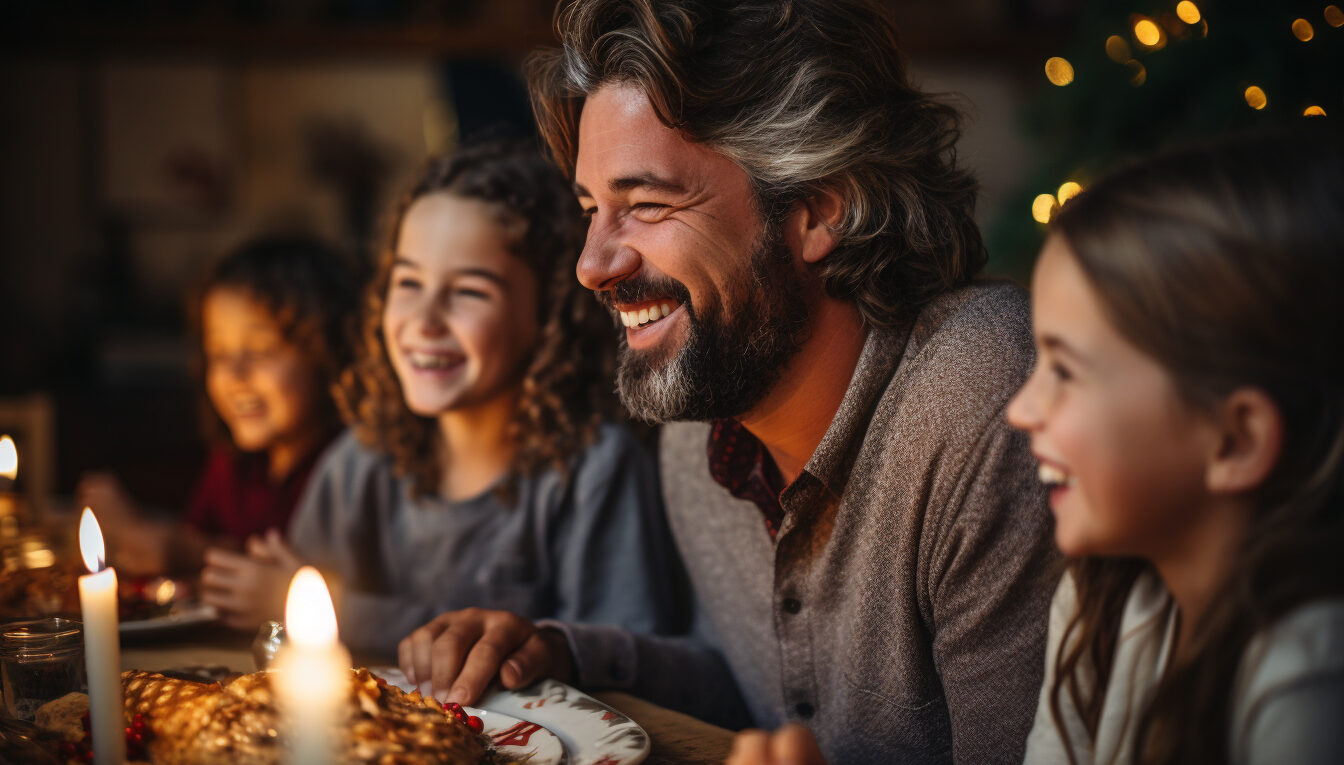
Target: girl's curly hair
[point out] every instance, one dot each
(566, 389)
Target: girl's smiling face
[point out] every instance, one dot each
(1124, 455)
(460, 320)
(259, 382)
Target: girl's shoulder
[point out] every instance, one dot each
(347, 456)
(1304, 644)
(1288, 697)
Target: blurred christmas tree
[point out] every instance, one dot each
(1141, 76)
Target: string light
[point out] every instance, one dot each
(1138, 73)
(1256, 98)
(1313, 111)
(1117, 49)
(1302, 30)
(1187, 12)
(1043, 207)
(1068, 190)
(1334, 16)
(1059, 71)
(1148, 33)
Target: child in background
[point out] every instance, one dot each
(273, 319)
(1187, 406)
(480, 471)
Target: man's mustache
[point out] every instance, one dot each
(638, 289)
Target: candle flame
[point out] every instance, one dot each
(9, 458)
(310, 618)
(91, 542)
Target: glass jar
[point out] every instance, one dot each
(269, 638)
(40, 660)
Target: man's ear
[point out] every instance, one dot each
(1251, 429)
(811, 228)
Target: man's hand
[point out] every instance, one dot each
(457, 654)
(250, 588)
(791, 745)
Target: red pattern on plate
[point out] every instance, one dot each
(518, 735)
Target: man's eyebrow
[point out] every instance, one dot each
(640, 181)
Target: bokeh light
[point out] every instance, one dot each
(1187, 12)
(1256, 98)
(1138, 73)
(1059, 71)
(1313, 111)
(1148, 33)
(1302, 30)
(1068, 190)
(1334, 16)
(1117, 49)
(1043, 207)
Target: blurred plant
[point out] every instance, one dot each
(1143, 75)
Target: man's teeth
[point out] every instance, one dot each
(647, 315)
(1053, 476)
(431, 360)
(246, 407)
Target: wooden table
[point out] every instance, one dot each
(677, 739)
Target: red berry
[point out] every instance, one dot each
(460, 714)
(475, 723)
(68, 749)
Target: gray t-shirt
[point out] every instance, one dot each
(594, 549)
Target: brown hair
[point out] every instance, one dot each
(311, 289)
(776, 87)
(566, 388)
(1222, 263)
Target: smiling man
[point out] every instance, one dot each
(778, 222)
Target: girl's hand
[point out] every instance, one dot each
(457, 654)
(791, 745)
(247, 589)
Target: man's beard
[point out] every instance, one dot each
(726, 365)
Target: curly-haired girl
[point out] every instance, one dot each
(480, 470)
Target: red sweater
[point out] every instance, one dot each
(236, 498)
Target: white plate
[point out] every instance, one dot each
(592, 732)
(198, 613)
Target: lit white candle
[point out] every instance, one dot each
(9, 473)
(102, 646)
(312, 671)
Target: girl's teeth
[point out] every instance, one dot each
(430, 360)
(1053, 476)
(646, 315)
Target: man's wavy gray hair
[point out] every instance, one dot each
(803, 95)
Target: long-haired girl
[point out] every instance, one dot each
(1187, 409)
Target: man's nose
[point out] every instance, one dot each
(606, 259)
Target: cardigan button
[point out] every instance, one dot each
(804, 710)
(792, 605)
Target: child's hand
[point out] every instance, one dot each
(454, 656)
(790, 745)
(247, 589)
(108, 498)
